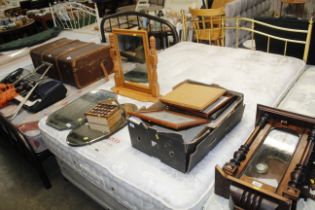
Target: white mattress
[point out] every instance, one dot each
(301, 98)
(139, 181)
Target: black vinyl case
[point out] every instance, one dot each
(183, 149)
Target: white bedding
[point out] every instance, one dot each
(301, 98)
(139, 181)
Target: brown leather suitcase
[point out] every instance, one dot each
(36, 53)
(52, 54)
(85, 65)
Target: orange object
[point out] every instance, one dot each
(7, 93)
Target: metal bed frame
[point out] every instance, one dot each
(160, 28)
(247, 25)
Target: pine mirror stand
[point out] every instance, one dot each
(135, 64)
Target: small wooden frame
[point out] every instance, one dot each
(270, 173)
(169, 119)
(134, 90)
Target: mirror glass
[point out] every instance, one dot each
(133, 59)
(271, 159)
(72, 115)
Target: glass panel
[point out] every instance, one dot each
(272, 158)
(169, 117)
(72, 115)
(133, 58)
(84, 135)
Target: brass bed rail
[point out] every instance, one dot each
(248, 25)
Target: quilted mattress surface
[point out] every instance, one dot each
(300, 99)
(139, 181)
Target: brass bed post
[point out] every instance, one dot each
(252, 42)
(237, 31)
(308, 40)
(223, 31)
(184, 25)
(211, 28)
(285, 48)
(268, 44)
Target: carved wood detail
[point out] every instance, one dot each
(255, 194)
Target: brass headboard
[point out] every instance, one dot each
(247, 24)
(242, 24)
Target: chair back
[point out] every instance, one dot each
(207, 25)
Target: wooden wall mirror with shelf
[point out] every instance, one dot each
(271, 170)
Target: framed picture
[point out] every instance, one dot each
(170, 119)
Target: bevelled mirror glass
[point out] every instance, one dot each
(133, 57)
(272, 158)
(135, 63)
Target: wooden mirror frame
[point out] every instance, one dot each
(131, 89)
(245, 194)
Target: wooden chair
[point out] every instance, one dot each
(207, 25)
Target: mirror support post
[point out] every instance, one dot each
(153, 68)
(118, 79)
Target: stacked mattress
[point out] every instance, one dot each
(301, 98)
(125, 177)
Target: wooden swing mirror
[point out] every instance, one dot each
(135, 63)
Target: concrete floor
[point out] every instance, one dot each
(21, 188)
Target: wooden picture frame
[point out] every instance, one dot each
(272, 186)
(169, 119)
(141, 92)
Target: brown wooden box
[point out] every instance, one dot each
(85, 65)
(36, 53)
(52, 54)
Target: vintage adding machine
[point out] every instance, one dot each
(270, 171)
(181, 132)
